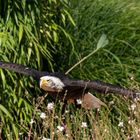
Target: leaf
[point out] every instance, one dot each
(29, 53)
(3, 78)
(48, 34)
(63, 19)
(37, 52)
(20, 102)
(55, 37)
(20, 34)
(15, 131)
(2, 108)
(16, 18)
(103, 41)
(115, 57)
(70, 17)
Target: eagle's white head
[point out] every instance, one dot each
(51, 83)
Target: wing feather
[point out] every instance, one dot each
(22, 69)
(89, 101)
(101, 87)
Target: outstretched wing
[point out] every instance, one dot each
(22, 69)
(85, 84)
(101, 87)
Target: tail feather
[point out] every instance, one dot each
(90, 102)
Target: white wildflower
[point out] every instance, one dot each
(32, 121)
(135, 112)
(66, 111)
(137, 97)
(138, 135)
(131, 122)
(120, 124)
(84, 125)
(67, 135)
(8, 135)
(111, 102)
(79, 101)
(132, 78)
(56, 117)
(20, 133)
(133, 106)
(42, 115)
(137, 132)
(50, 106)
(60, 128)
(45, 138)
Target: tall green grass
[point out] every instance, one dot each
(31, 33)
(116, 63)
(35, 33)
(119, 21)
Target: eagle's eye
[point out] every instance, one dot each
(48, 80)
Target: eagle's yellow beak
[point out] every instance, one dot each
(43, 83)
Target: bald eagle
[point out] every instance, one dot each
(63, 88)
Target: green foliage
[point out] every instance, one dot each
(114, 19)
(31, 33)
(36, 33)
(103, 41)
(115, 63)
